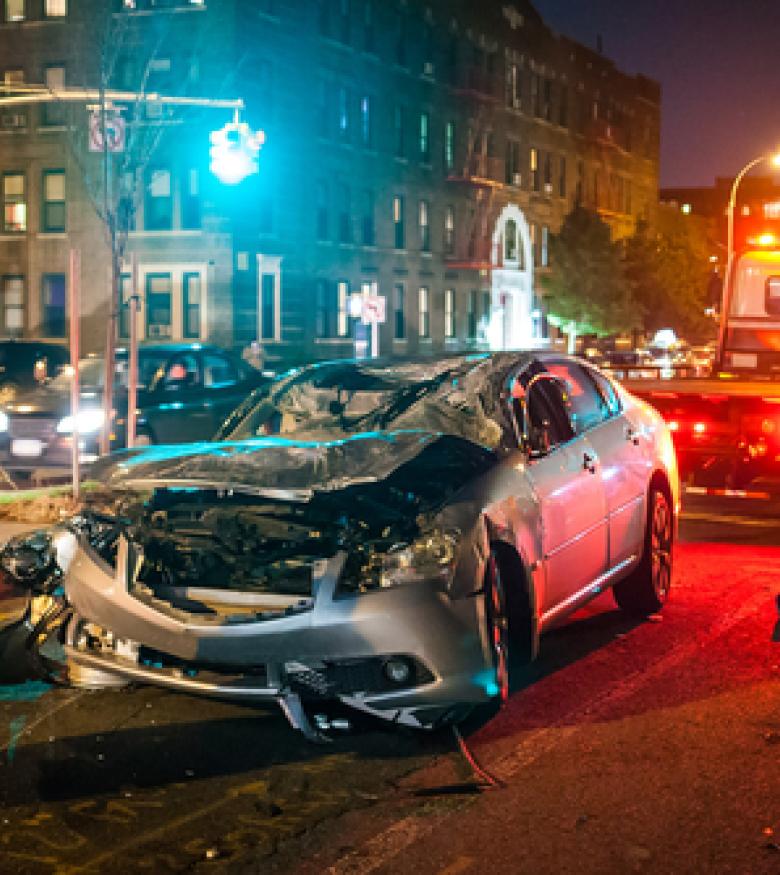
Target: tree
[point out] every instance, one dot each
(668, 271)
(585, 289)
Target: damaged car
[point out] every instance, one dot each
(394, 536)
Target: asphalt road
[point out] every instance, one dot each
(650, 747)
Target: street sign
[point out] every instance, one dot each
(374, 310)
(115, 132)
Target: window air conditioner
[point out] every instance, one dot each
(428, 68)
(548, 188)
(13, 120)
(517, 179)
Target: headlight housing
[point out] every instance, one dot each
(3, 422)
(430, 557)
(87, 421)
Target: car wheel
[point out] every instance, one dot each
(646, 589)
(497, 618)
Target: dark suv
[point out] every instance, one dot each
(185, 391)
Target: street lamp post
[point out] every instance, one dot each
(775, 161)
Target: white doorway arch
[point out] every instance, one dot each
(512, 324)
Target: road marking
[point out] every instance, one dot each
(400, 835)
(729, 519)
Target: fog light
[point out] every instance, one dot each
(397, 670)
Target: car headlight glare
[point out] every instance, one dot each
(3, 421)
(87, 421)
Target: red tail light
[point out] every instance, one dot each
(699, 427)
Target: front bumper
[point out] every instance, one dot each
(333, 647)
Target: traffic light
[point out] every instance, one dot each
(234, 151)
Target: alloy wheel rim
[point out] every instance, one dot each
(499, 629)
(661, 546)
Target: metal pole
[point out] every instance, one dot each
(74, 281)
(374, 339)
(132, 376)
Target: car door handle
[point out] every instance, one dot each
(632, 435)
(589, 463)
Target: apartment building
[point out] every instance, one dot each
(420, 151)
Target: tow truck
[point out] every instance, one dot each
(726, 427)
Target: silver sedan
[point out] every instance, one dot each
(396, 536)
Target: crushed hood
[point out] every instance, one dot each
(274, 467)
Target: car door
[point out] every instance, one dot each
(597, 412)
(224, 386)
(174, 408)
(570, 492)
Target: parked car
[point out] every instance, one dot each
(184, 393)
(26, 364)
(395, 536)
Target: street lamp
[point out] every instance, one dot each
(775, 161)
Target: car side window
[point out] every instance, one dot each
(548, 422)
(587, 408)
(181, 372)
(218, 371)
(607, 391)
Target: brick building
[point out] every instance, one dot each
(423, 151)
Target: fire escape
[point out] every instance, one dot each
(481, 174)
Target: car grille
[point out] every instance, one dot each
(40, 427)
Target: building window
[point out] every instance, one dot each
(399, 131)
(365, 120)
(533, 164)
(53, 114)
(401, 57)
(327, 309)
(545, 242)
(322, 211)
(342, 298)
(158, 203)
(367, 222)
(399, 233)
(56, 8)
(548, 173)
(563, 107)
(323, 17)
(424, 315)
(399, 332)
(562, 177)
(369, 35)
(191, 291)
(472, 315)
(513, 86)
(53, 209)
(190, 200)
(125, 290)
(425, 227)
(323, 108)
(268, 306)
(14, 10)
(12, 304)
(425, 138)
(53, 305)
(485, 318)
(14, 203)
(343, 113)
(345, 215)
(344, 21)
(548, 100)
(449, 313)
(159, 290)
(513, 173)
(449, 230)
(510, 240)
(449, 146)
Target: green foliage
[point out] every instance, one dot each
(667, 269)
(585, 287)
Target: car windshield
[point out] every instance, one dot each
(91, 372)
(330, 400)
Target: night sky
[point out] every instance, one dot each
(718, 62)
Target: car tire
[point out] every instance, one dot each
(646, 589)
(508, 626)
